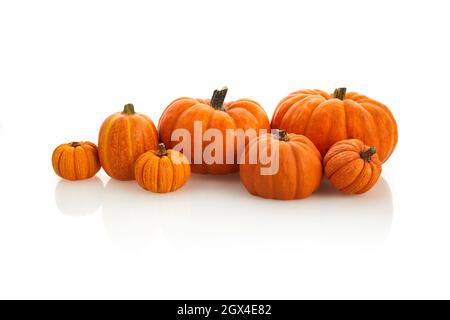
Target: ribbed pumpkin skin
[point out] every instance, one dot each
(122, 139)
(299, 174)
(348, 171)
(162, 174)
(182, 113)
(326, 120)
(76, 160)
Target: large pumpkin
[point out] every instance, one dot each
(211, 114)
(299, 170)
(76, 160)
(327, 119)
(162, 170)
(352, 167)
(123, 137)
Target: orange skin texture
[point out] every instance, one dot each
(76, 163)
(300, 169)
(181, 113)
(122, 139)
(347, 171)
(162, 174)
(326, 120)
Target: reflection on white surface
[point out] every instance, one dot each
(216, 213)
(132, 216)
(224, 216)
(79, 198)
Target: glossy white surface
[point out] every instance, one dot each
(65, 67)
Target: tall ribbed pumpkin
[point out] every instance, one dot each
(183, 113)
(326, 119)
(123, 137)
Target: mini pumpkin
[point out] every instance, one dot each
(123, 137)
(299, 171)
(212, 114)
(76, 160)
(162, 170)
(327, 119)
(352, 167)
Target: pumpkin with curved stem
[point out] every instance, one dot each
(162, 170)
(352, 167)
(216, 114)
(123, 137)
(299, 171)
(76, 160)
(327, 119)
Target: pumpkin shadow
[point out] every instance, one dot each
(79, 198)
(132, 216)
(225, 216)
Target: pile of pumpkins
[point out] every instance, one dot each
(346, 136)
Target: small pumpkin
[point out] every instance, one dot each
(162, 170)
(352, 167)
(212, 114)
(123, 137)
(76, 160)
(327, 119)
(299, 171)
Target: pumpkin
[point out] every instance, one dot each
(352, 167)
(183, 113)
(76, 160)
(123, 137)
(299, 171)
(162, 170)
(327, 119)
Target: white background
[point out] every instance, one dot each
(67, 65)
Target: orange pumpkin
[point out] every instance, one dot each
(76, 160)
(162, 170)
(327, 119)
(352, 167)
(211, 114)
(123, 137)
(299, 171)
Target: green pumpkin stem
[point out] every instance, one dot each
(75, 144)
(282, 135)
(339, 93)
(218, 98)
(162, 152)
(367, 155)
(128, 109)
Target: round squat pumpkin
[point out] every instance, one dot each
(162, 170)
(326, 119)
(216, 114)
(123, 137)
(352, 167)
(76, 160)
(297, 175)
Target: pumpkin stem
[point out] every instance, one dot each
(128, 109)
(162, 152)
(339, 93)
(282, 135)
(75, 144)
(367, 155)
(218, 98)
